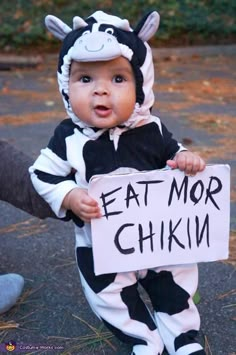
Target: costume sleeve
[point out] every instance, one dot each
(51, 173)
(15, 184)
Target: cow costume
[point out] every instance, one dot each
(89, 151)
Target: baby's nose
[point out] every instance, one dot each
(101, 88)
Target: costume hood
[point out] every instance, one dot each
(103, 37)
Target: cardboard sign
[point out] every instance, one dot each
(160, 217)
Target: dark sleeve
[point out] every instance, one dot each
(15, 183)
(171, 146)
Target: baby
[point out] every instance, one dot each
(105, 76)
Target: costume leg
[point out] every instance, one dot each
(114, 298)
(171, 290)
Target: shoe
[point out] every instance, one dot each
(11, 286)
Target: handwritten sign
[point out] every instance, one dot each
(160, 217)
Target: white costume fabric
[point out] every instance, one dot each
(76, 152)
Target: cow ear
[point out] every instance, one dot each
(78, 22)
(148, 26)
(57, 27)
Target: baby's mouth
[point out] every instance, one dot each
(102, 111)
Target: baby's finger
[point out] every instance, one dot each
(88, 200)
(202, 165)
(172, 164)
(193, 168)
(198, 165)
(88, 209)
(87, 216)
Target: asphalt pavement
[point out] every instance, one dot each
(53, 313)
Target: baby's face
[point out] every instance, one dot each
(102, 94)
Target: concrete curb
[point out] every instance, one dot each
(8, 61)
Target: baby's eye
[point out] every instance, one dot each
(85, 79)
(119, 79)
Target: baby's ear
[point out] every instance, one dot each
(57, 27)
(148, 26)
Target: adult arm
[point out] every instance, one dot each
(15, 183)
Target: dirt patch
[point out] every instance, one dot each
(31, 118)
(220, 89)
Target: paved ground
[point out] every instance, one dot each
(195, 91)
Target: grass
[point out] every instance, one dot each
(183, 22)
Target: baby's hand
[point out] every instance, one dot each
(188, 162)
(79, 202)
